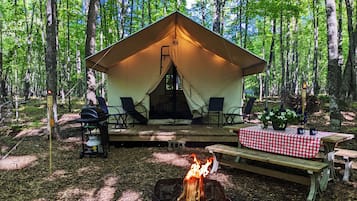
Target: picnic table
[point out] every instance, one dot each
(288, 142)
(286, 148)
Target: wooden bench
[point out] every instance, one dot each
(348, 156)
(317, 172)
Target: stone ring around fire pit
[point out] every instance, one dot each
(171, 189)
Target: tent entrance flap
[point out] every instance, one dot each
(168, 99)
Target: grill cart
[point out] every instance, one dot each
(94, 131)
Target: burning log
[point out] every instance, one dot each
(193, 185)
(192, 190)
(172, 189)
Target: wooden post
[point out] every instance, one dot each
(51, 123)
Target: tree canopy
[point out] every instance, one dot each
(290, 35)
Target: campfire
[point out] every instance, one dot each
(194, 186)
(193, 183)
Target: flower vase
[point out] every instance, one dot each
(277, 125)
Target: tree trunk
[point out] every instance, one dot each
(349, 79)
(51, 57)
(339, 27)
(131, 17)
(149, 12)
(355, 53)
(3, 93)
(334, 73)
(203, 12)
(240, 22)
(123, 17)
(90, 49)
(316, 86)
(270, 62)
(261, 84)
(294, 88)
(217, 19)
(246, 25)
(68, 61)
(288, 59)
(282, 60)
(143, 14)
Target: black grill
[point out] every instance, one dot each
(94, 118)
(92, 115)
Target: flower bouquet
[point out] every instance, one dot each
(279, 117)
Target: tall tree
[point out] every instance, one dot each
(29, 28)
(349, 75)
(339, 35)
(315, 11)
(271, 60)
(334, 72)
(282, 58)
(246, 25)
(217, 22)
(2, 80)
(90, 49)
(51, 55)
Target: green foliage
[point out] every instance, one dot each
(24, 49)
(280, 116)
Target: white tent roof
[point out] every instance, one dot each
(179, 26)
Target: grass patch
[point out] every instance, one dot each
(33, 113)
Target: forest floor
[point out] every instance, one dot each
(130, 172)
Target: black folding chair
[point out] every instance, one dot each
(129, 106)
(120, 117)
(235, 112)
(215, 107)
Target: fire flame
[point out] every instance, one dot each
(197, 170)
(193, 181)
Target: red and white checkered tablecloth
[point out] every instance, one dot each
(286, 142)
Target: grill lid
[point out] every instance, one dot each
(92, 114)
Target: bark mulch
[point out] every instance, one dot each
(129, 173)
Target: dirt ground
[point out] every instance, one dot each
(129, 173)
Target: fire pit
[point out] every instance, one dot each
(171, 189)
(194, 187)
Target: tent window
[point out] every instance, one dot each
(170, 82)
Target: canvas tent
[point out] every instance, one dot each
(195, 62)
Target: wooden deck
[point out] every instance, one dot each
(164, 133)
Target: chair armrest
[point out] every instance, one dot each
(141, 109)
(118, 109)
(235, 110)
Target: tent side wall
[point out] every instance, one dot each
(204, 72)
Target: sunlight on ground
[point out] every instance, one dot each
(77, 194)
(349, 116)
(56, 175)
(130, 195)
(17, 162)
(66, 118)
(170, 158)
(71, 143)
(73, 139)
(107, 192)
(32, 132)
(85, 170)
